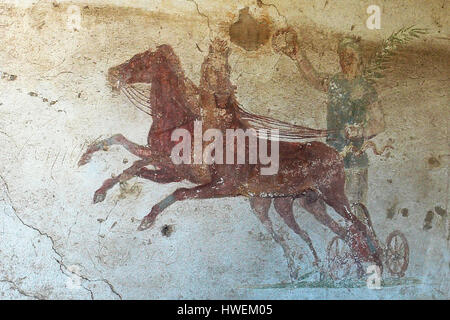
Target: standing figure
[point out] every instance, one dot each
(353, 113)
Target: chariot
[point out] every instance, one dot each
(341, 259)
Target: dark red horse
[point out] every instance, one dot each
(313, 172)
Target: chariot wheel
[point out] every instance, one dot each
(340, 259)
(397, 254)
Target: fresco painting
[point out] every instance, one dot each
(319, 180)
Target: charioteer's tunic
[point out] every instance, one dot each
(348, 102)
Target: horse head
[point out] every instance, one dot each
(167, 100)
(141, 68)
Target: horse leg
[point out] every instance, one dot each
(284, 208)
(358, 234)
(336, 198)
(214, 189)
(159, 176)
(311, 202)
(136, 170)
(127, 174)
(261, 207)
(117, 139)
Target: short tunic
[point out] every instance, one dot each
(348, 101)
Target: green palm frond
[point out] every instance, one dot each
(380, 61)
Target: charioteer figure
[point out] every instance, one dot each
(354, 114)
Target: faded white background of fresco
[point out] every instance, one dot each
(56, 244)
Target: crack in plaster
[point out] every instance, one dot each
(203, 15)
(64, 269)
(21, 291)
(260, 3)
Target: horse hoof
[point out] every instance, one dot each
(84, 159)
(99, 196)
(293, 274)
(322, 275)
(145, 224)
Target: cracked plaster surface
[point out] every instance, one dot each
(55, 244)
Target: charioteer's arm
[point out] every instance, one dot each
(285, 41)
(309, 73)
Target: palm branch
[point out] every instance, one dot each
(380, 61)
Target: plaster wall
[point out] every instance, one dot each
(56, 244)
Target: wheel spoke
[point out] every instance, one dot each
(399, 265)
(395, 265)
(389, 254)
(397, 253)
(337, 249)
(340, 261)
